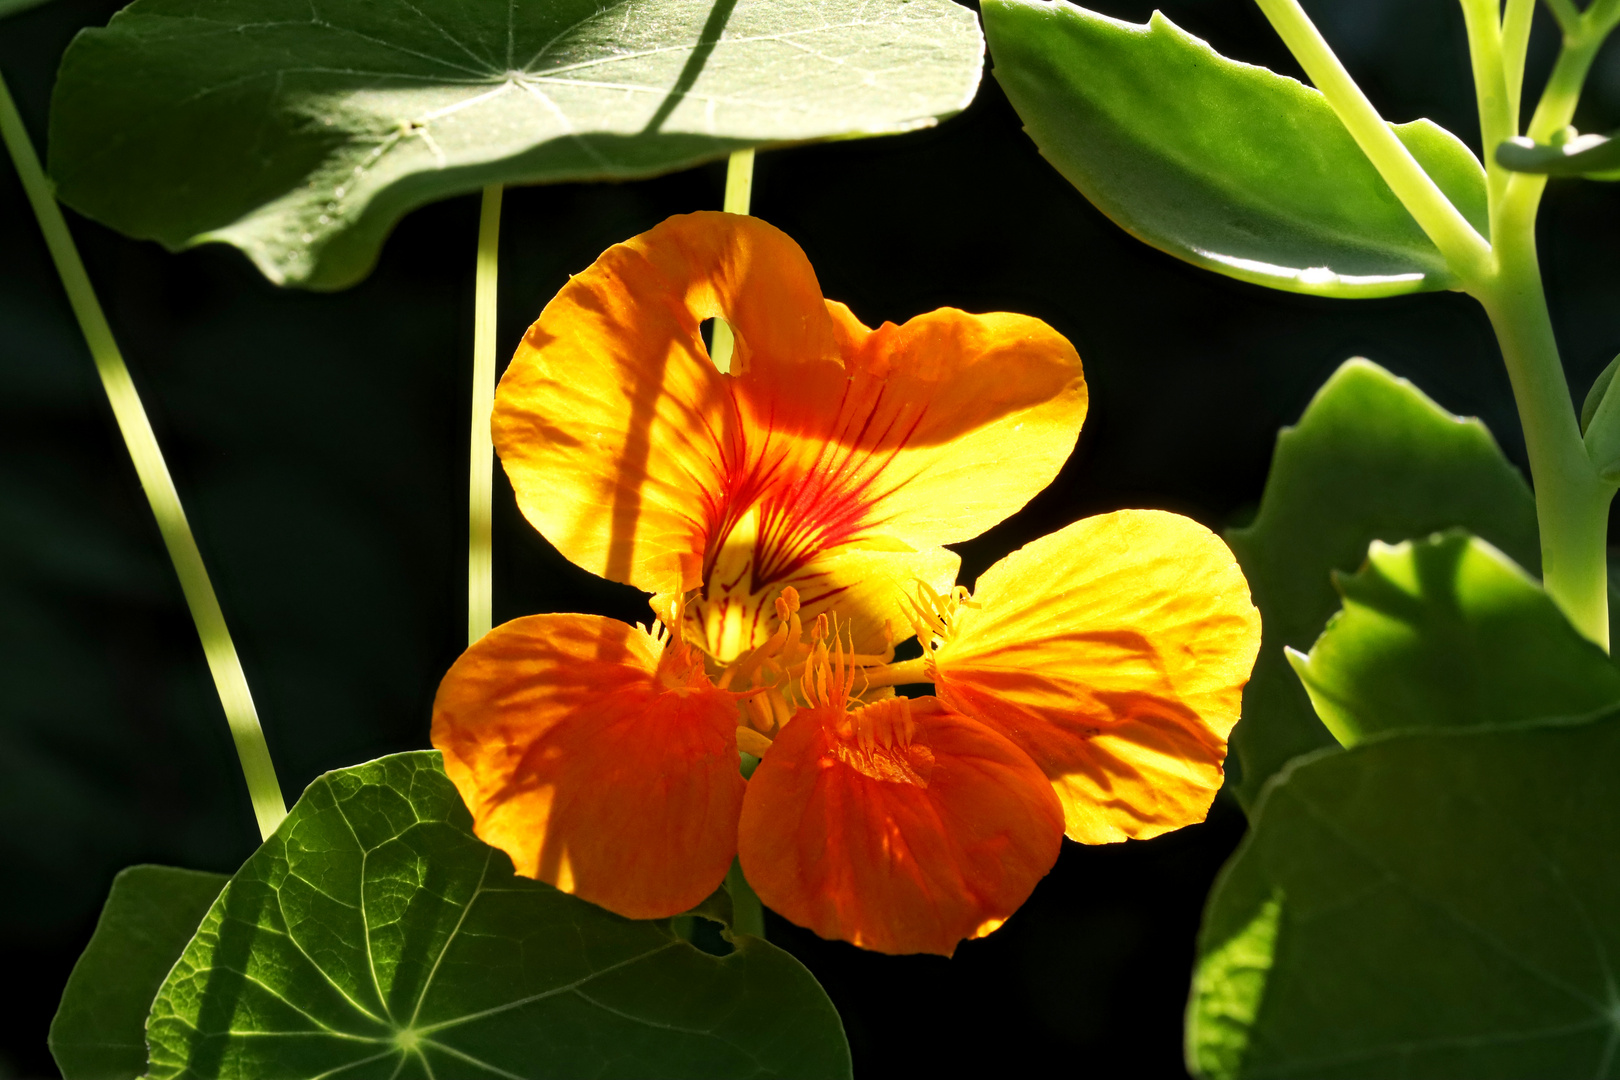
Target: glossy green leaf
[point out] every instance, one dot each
(1448, 632)
(1229, 166)
(302, 130)
(374, 936)
(1371, 459)
(99, 1031)
(1595, 157)
(1443, 903)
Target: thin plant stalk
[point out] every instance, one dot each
(1503, 274)
(747, 913)
(481, 473)
(1517, 17)
(739, 193)
(226, 667)
(1468, 253)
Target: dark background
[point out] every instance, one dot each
(319, 443)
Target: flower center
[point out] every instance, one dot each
(877, 740)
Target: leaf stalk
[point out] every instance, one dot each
(481, 473)
(230, 682)
(1466, 252)
(739, 194)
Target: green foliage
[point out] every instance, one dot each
(99, 1032)
(11, 7)
(373, 934)
(1595, 396)
(1448, 632)
(1426, 904)
(1371, 459)
(301, 131)
(1595, 157)
(1600, 425)
(1226, 165)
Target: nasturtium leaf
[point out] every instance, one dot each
(1226, 165)
(374, 936)
(99, 1032)
(1439, 903)
(1595, 157)
(1446, 632)
(301, 130)
(1371, 459)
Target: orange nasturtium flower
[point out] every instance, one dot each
(789, 514)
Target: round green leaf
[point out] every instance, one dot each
(1448, 631)
(302, 130)
(1372, 458)
(1443, 903)
(99, 1031)
(1229, 166)
(374, 936)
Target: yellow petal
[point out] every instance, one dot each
(1114, 652)
(643, 463)
(620, 437)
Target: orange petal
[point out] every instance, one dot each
(643, 463)
(1114, 652)
(901, 827)
(592, 766)
(934, 430)
(619, 435)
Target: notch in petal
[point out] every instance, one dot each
(902, 826)
(617, 431)
(1114, 652)
(598, 760)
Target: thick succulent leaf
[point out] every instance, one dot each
(302, 130)
(1596, 157)
(1371, 459)
(99, 1032)
(374, 936)
(1448, 631)
(1226, 165)
(1443, 903)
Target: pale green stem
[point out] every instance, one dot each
(1465, 251)
(481, 474)
(747, 913)
(1516, 24)
(1572, 503)
(1567, 14)
(268, 805)
(1497, 122)
(739, 193)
